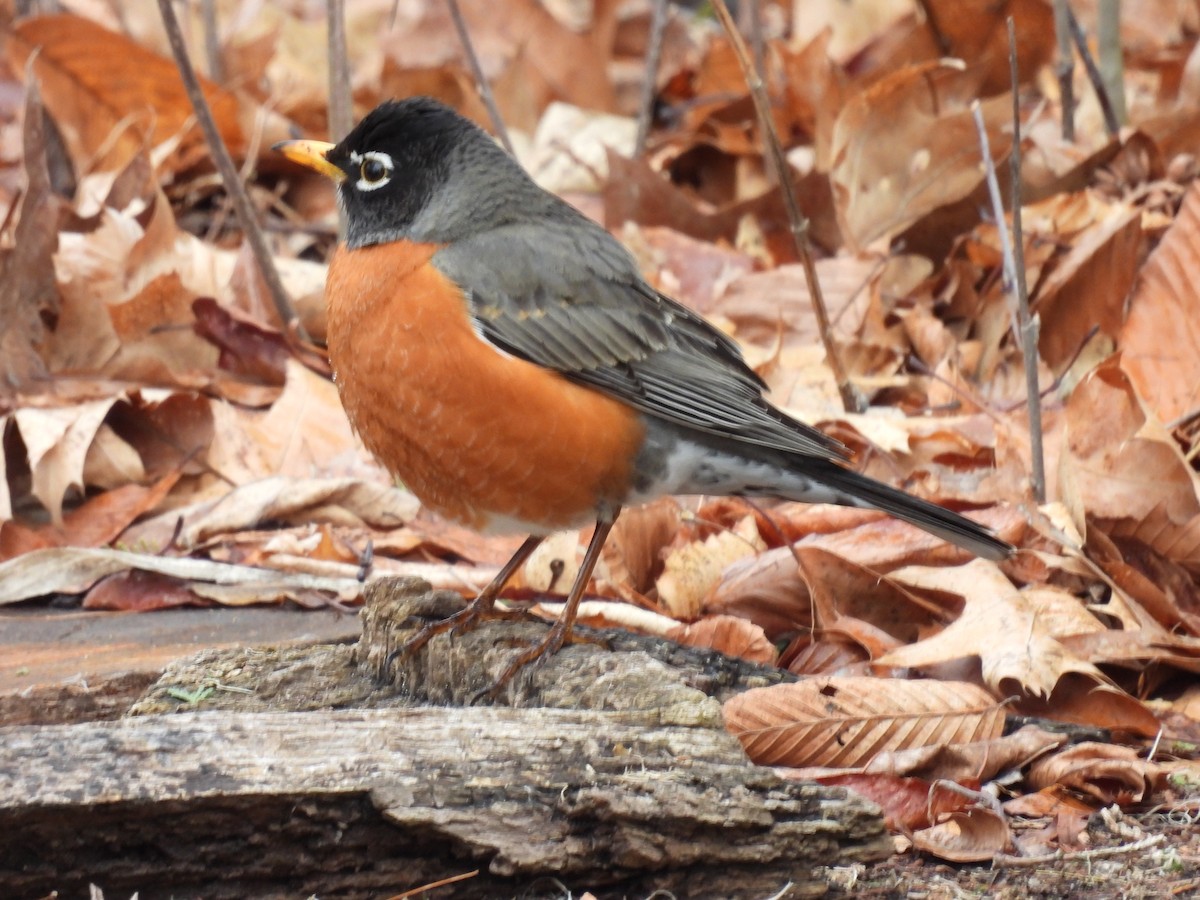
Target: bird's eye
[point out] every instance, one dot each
(374, 170)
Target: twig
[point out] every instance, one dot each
(481, 83)
(658, 29)
(1003, 859)
(212, 40)
(435, 884)
(341, 101)
(851, 400)
(1064, 68)
(1112, 65)
(1028, 325)
(229, 175)
(1111, 125)
(752, 13)
(1006, 250)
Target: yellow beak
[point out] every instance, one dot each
(311, 155)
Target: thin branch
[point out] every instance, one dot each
(1028, 325)
(341, 100)
(1064, 68)
(212, 40)
(1111, 125)
(229, 174)
(851, 400)
(481, 83)
(752, 13)
(1112, 64)
(658, 30)
(1003, 860)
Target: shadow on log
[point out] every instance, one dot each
(613, 775)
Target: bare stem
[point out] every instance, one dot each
(752, 12)
(658, 29)
(212, 40)
(1064, 68)
(1111, 125)
(851, 400)
(229, 174)
(1112, 64)
(1028, 326)
(481, 83)
(341, 100)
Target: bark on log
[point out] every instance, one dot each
(635, 789)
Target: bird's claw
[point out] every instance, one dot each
(534, 657)
(461, 622)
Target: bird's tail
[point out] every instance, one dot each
(827, 482)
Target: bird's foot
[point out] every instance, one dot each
(537, 655)
(465, 620)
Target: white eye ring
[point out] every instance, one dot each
(377, 160)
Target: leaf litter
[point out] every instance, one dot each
(164, 442)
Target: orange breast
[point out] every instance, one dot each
(473, 432)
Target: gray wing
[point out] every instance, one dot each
(586, 312)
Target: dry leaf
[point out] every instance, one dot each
(1160, 344)
(997, 624)
(974, 835)
(1109, 773)
(907, 145)
(846, 722)
(728, 635)
(691, 572)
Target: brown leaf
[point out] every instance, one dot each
(27, 287)
(1121, 464)
(338, 500)
(907, 145)
(767, 589)
(692, 571)
(101, 519)
(1160, 341)
(972, 763)
(907, 803)
(973, 835)
(633, 552)
(832, 655)
(633, 192)
(247, 349)
(1110, 773)
(846, 722)
(1077, 698)
(729, 635)
(141, 592)
(975, 31)
(112, 96)
(1089, 285)
(998, 624)
(57, 442)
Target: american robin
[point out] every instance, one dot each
(502, 355)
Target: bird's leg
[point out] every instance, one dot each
(476, 610)
(561, 630)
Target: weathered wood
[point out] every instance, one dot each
(630, 785)
(604, 670)
(217, 804)
(81, 665)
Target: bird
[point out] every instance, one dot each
(502, 355)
